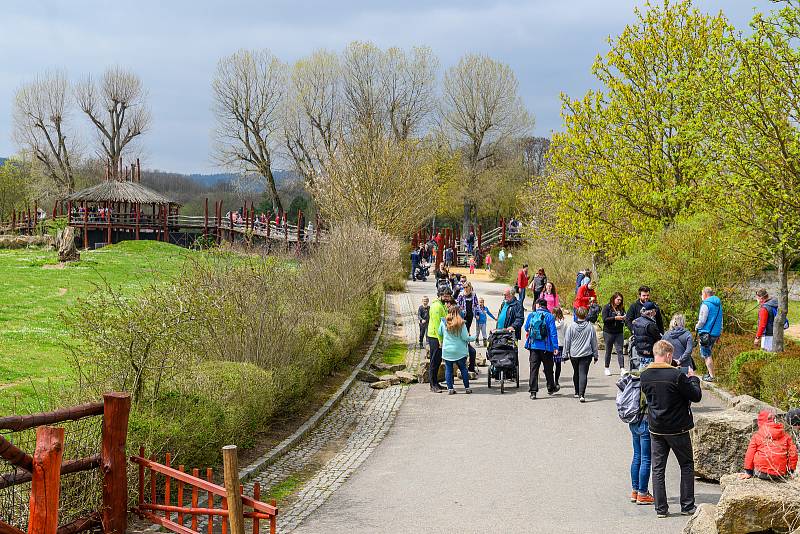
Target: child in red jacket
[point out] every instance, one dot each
(772, 454)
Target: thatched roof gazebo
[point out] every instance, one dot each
(116, 210)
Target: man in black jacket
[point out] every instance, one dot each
(511, 315)
(635, 309)
(670, 395)
(645, 334)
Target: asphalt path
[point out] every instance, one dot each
(488, 462)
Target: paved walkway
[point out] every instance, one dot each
(492, 463)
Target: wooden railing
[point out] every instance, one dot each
(156, 480)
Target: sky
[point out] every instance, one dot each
(174, 46)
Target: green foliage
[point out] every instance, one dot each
(560, 261)
(781, 382)
(744, 358)
(15, 192)
(750, 379)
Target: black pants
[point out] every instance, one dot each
(435, 351)
(423, 332)
(468, 320)
(614, 341)
(537, 358)
(681, 445)
(557, 371)
(580, 374)
(471, 364)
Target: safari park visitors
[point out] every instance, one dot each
(455, 347)
(646, 334)
(522, 283)
(561, 330)
(768, 309)
(613, 315)
(472, 265)
(414, 262)
(632, 408)
(501, 256)
(635, 309)
(542, 344)
(488, 262)
(437, 312)
(424, 316)
(511, 314)
(681, 341)
(772, 454)
(468, 302)
(550, 294)
(448, 257)
(580, 347)
(481, 315)
(709, 328)
(670, 395)
(538, 283)
(586, 297)
(582, 278)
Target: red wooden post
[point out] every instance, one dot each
(502, 232)
(480, 237)
(167, 462)
(210, 478)
(205, 219)
(46, 482)
(85, 226)
(273, 521)
(141, 481)
(180, 496)
(152, 482)
(138, 218)
(195, 474)
(116, 409)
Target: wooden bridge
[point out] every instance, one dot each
(504, 235)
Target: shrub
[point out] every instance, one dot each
(744, 358)
(750, 379)
(781, 382)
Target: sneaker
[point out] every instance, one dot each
(634, 495)
(645, 498)
(623, 372)
(576, 396)
(690, 511)
(533, 396)
(582, 399)
(708, 378)
(557, 389)
(436, 389)
(451, 392)
(467, 391)
(607, 371)
(662, 515)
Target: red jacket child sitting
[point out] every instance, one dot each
(772, 453)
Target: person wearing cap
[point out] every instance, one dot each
(646, 333)
(438, 311)
(635, 310)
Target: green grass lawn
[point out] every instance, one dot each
(395, 353)
(34, 363)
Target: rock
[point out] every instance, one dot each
(366, 376)
(380, 366)
(720, 440)
(392, 379)
(472, 375)
(65, 240)
(755, 505)
(380, 384)
(405, 377)
(748, 404)
(703, 521)
(423, 371)
(480, 360)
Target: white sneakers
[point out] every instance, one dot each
(607, 371)
(623, 372)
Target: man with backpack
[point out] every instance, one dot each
(670, 395)
(646, 334)
(768, 309)
(542, 342)
(632, 409)
(709, 328)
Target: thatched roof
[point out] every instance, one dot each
(114, 191)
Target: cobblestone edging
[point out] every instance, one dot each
(722, 393)
(271, 456)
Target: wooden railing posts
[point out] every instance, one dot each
(230, 462)
(46, 482)
(116, 410)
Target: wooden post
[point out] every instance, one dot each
(230, 461)
(166, 231)
(502, 232)
(138, 217)
(116, 409)
(46, 482)
(108, 221)
(480, 237)
(205, 219)
(85, 226)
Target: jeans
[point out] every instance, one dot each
(614, 341)
(640, 465)
(705, 352)
(580, 374)
(482, 332)
(435, 352)
(522, 295)
(413, 270)
(448, 372)
(681, 445)
(423, 331)
(644, 362)
(537, 358)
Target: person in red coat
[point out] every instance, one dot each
(772, 453)
(522, 283)
(585, 297)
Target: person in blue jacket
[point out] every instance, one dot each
(542, 342)
(709, 328)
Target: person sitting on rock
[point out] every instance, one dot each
(772, 454)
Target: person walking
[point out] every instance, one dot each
(538, 283)
(470, 242)
(630, 383)
(613, 315)
(646, 334)
(681, 341)
(414, 263)
(580, 347)
(424, 316)
(709, 328)
(550, 294)
(501, 256)
(455, 347)
(768, 309)
(481, 314)
(586, 297)
(542, 344)
(437, 312)
(468, 303)
(522, 284)
(635, 310)
(670, 395)
(472, 265)
(511, 315)
(488, 261)
(561, 330)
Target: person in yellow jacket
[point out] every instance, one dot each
(437, 313)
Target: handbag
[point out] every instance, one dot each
(704, 338)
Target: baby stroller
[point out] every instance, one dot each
(442, 284)
(503, 358)
(421, 273)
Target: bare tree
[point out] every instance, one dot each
(409, 85)
(250, 88)
(117, 107)
(480, 110)
(41, 115)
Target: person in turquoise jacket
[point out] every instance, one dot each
(455, 347)
(709, 328)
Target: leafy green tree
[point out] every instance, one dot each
(14, 187)
(627, 164)
(750, 123)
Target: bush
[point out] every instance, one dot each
(781, 382)
(744, 358)
(750, 379)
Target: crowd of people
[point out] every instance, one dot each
(657, 388)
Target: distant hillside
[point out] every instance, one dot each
(211, 180)
(3, 160)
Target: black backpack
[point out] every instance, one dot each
(593, 313)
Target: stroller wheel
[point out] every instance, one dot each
(489, 378)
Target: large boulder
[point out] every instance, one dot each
(380, 384)
(720, 440)
(366, 376)
(392, 379)
(755, 505)
(748, 404)
(388, 368)
(405, 377)
(703, 521)
(423, 372)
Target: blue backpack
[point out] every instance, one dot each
(538, 329)
(772, 311)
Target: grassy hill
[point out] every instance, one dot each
(35, 291)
